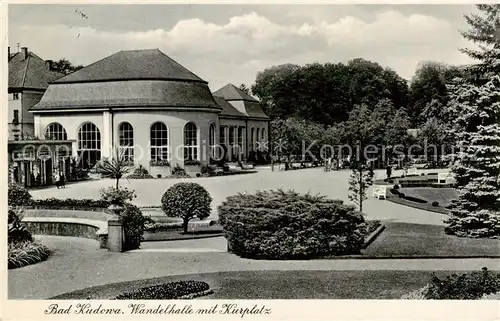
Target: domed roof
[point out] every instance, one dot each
(134, 79)
(132, 65)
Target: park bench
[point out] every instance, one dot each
(412, 171)
(379, 192)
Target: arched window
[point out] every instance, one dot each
(211, 139)
(126, 141)
(89, 144)
(159, 142)
(190, 142)
(55, 131)
(257, 139)
(263, 135)
(252, 138)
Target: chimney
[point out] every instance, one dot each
(48, 64)
(25, 52)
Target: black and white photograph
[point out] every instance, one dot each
(251, 152)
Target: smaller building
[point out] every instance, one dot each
(244, 127)
(33, 163)
(29, 77)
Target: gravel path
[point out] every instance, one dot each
(314, 180)
(78, 263)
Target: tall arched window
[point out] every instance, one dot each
(159, 142)
(257, 139)
(211, 139)
(126, 141)
(89, 144)
(190, 142)
(252, 138)
(55, 131)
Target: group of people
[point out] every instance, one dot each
(330, 164)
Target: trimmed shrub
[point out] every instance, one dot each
(25, 253)
(470, 286)
(140, 173)
(186, 200)
(167, 291)
(157, 227)
(435, 203)
(158, 175)
(55, 203)
(178, 172)
(287, 225)
(134, 224)
(18, 195)
(208, 169)
(396, 186)
(17, 232)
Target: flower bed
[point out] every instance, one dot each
(412, 201)
(168, 291)
(25, 253)
(472, 286)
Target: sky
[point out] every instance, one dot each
(232, 43)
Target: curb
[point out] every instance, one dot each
(373, 235)
(391, 199)
(187, 238)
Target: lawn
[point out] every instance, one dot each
(266, 285)
(417, 240)
(443, 195)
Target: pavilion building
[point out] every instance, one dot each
(156, 112)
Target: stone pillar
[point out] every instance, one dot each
(107, 144)
(115, 235)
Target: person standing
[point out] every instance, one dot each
(389, 171)
(57, 179)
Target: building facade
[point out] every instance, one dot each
(29, 77)
(150, 108)
(32, 160)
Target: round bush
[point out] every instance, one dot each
(287, 225)
(396, 186)
(18, 196)
(435, 203)
(158, 175)
(186, 200)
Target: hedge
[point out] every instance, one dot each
(287, 225)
